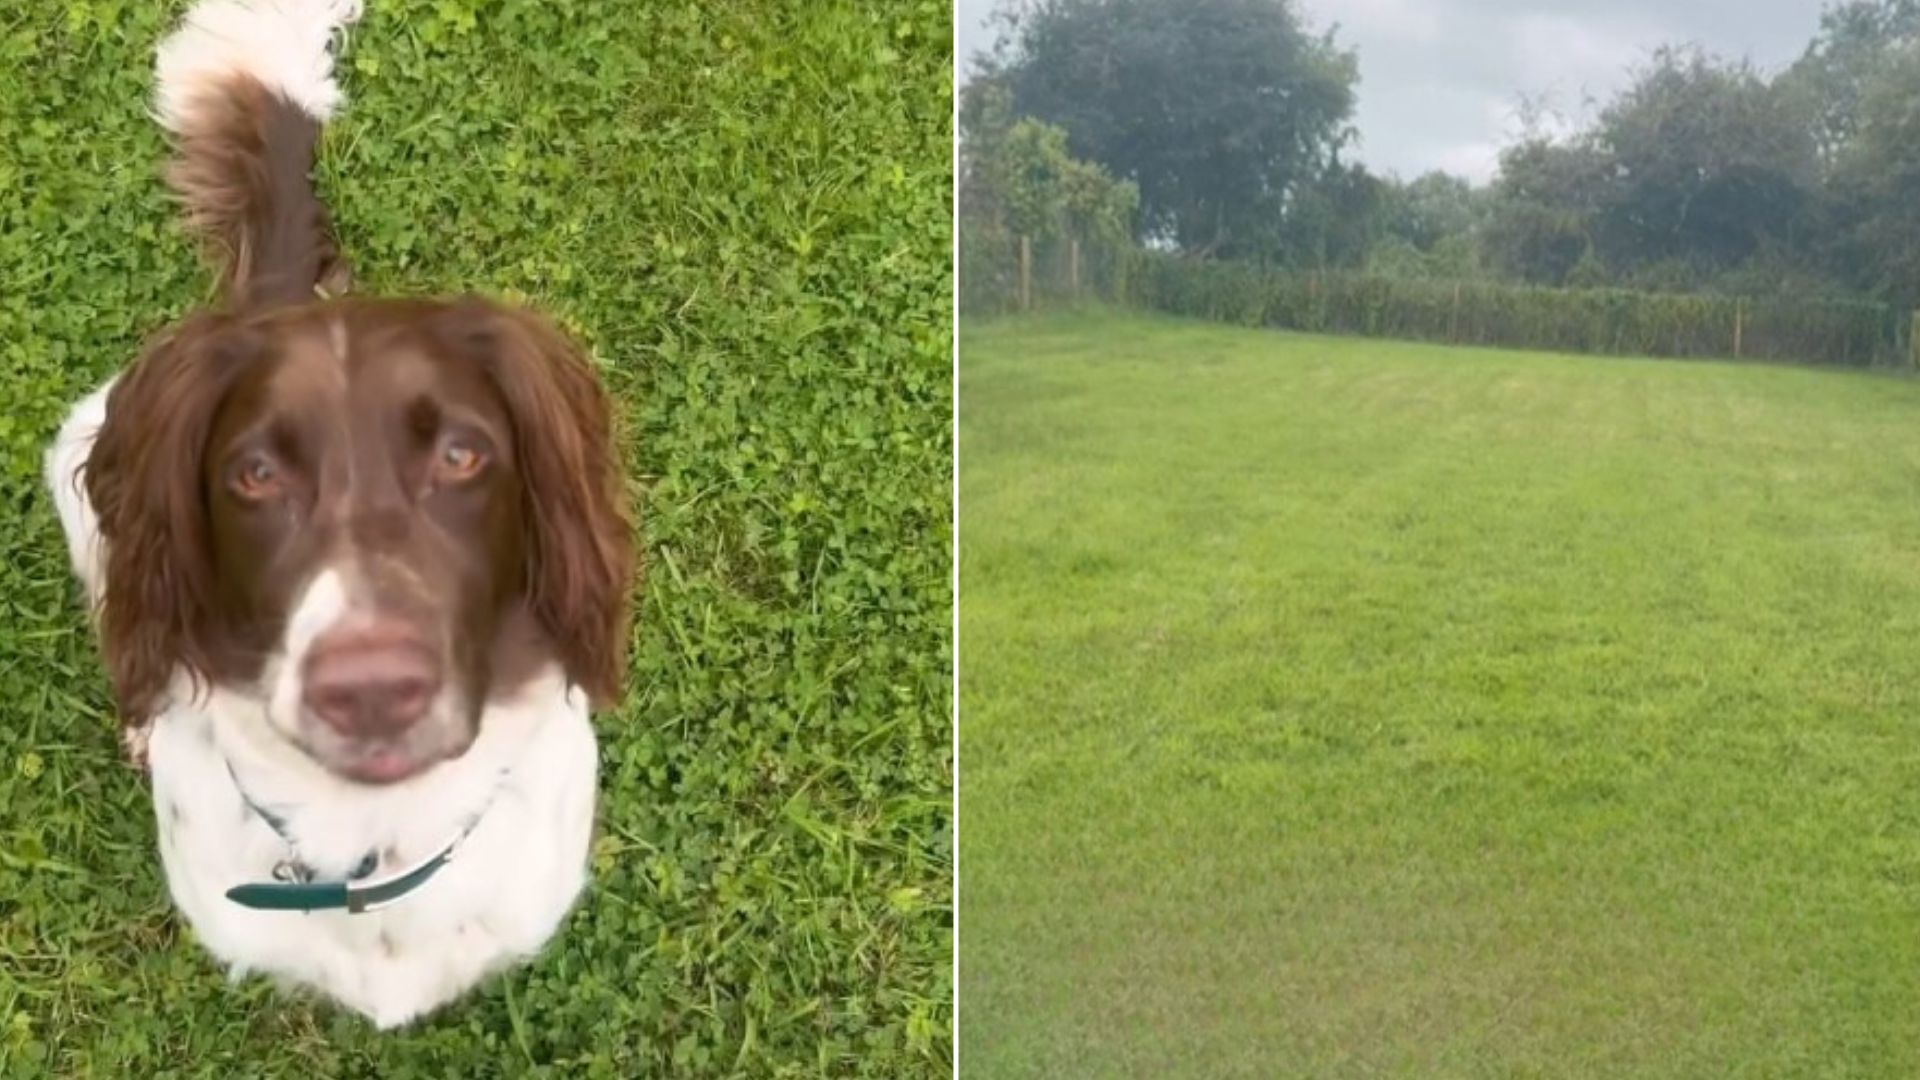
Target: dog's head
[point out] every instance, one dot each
(374, 516)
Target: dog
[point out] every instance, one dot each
(360, 569)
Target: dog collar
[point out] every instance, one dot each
(294, 887)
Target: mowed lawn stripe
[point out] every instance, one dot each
(1349, 707)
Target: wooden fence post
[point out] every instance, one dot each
(1913, 340)
(1453, 321)
(1026, 273)
(1073, 266)
(1739, 323)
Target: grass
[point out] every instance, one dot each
(1338, 707)
(744, 208)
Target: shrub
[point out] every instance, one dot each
(1615, 321)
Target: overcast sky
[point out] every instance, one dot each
(1439, 79)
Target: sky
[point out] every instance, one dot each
(1441, 80)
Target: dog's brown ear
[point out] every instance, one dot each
(144, 479)
(581, 561)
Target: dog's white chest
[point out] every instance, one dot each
(530, 776)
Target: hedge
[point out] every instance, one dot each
(1616, 321)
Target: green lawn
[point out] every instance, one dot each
(745, 208)
(1339, 707)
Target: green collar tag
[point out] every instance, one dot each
(294, 889)
(356, 895)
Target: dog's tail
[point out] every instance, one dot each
(243, 87)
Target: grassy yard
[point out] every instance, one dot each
(1338, 707)
(744, 208)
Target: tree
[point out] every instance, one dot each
(1429, 227)
(1332, 223)
(1708, 164)
(1222, 112)
(1543, 206)
(1699, 167)
(986, 115)
(1429, 209)
(1875, 215)
(1857, 41)
(1017, 175)
(1018, 180)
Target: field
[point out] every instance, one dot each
(745, 209)
(1337, 707)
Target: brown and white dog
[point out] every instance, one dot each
(359, 567)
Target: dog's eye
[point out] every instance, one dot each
(258, 478)
(459, 461)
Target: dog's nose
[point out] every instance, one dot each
(374, 681)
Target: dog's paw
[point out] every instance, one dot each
(133, 740)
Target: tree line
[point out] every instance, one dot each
(1223, 129)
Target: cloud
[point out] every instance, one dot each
(1552, 48)
(1407, 20)
(1439, 79)
(1446, 98)
(971, 34)
(1477, 161)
